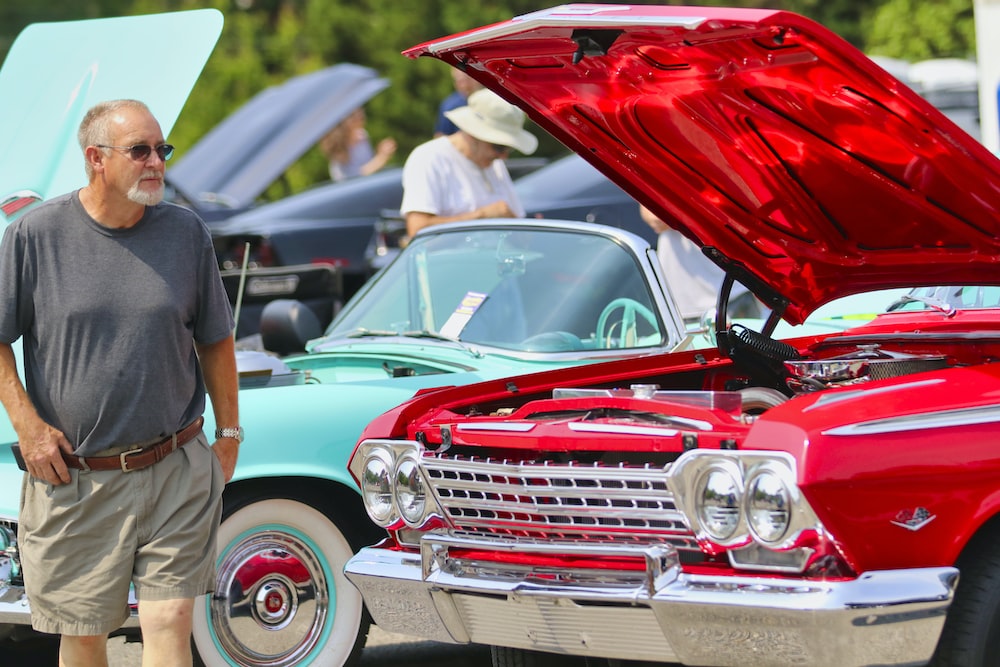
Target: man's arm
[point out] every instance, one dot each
(40, 442)
(417, 220)
(218, 363)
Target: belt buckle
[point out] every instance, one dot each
(123, 462)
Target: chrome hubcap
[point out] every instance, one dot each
(271, 600)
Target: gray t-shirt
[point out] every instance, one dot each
(109, 319)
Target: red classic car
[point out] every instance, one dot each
(825, 500)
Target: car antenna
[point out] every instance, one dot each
(243, 282)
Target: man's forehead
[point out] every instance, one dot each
(134, 121)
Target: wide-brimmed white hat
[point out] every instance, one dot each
(488, 117)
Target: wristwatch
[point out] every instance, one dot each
(235, 432)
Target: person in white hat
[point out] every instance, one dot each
(462, 176)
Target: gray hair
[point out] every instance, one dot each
(95, 128)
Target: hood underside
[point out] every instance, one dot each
(55, 72)
(767, 139)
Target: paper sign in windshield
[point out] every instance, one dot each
(467, 307)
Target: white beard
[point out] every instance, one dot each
(143, 197)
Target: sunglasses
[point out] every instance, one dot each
(500, 149)
(140, 152)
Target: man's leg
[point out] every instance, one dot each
(83, 651)
(166, 632)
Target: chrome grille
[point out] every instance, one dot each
(558, 501)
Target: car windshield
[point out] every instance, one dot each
(526, 290)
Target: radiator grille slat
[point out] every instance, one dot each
(568, 501)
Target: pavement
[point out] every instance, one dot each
(383, 649)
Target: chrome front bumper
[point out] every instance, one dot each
(884, 618)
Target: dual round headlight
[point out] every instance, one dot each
(768, 507)
(393, 488)
(724, 503)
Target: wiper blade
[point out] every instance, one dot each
(361, 332)
(428, 334)
(935, 304)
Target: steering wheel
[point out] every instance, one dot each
(626, 336)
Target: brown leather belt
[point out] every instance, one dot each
(140, 457)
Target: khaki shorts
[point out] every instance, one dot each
(84, 542)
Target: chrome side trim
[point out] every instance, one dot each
(827, 398)
(986, 414)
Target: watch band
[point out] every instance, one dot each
(235, 432)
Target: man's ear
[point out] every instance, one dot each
(95, 157)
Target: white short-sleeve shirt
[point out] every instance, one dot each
(439, 180)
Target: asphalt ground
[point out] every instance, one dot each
(382, 650)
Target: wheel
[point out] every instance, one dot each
(626, 336)
(971, 635)
(281, 596)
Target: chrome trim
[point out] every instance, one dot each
(614, 504)
(687, 470)
(984, 414)
(885, 618)
(517, 427)
(621, 429)
(828, 398)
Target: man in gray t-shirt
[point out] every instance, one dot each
(124, 322)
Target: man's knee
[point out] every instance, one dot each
(83, 650)
(166, 616)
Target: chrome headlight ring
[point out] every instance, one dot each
(410, 491)
(768, 508)
(377, 487)
(718, 502)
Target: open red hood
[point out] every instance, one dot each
(762, 135)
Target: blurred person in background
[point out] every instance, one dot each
(348, 148)
(462, 176)
(465, 85)
(693, 278)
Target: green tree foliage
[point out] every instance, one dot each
(921, 29)
(265, 42)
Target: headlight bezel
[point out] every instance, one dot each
(685, 481)
(395, 455)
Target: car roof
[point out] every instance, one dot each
(54, 72)
(795, 161)
(244, 154)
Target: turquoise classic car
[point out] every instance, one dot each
(462, 303)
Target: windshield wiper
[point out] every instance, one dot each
(935, 304)
(361, 332)
(428, 334)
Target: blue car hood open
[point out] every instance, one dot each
(54, 72)
(241, 156)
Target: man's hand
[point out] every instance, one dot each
(227, 450)
(42, 447)
(498, 209)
